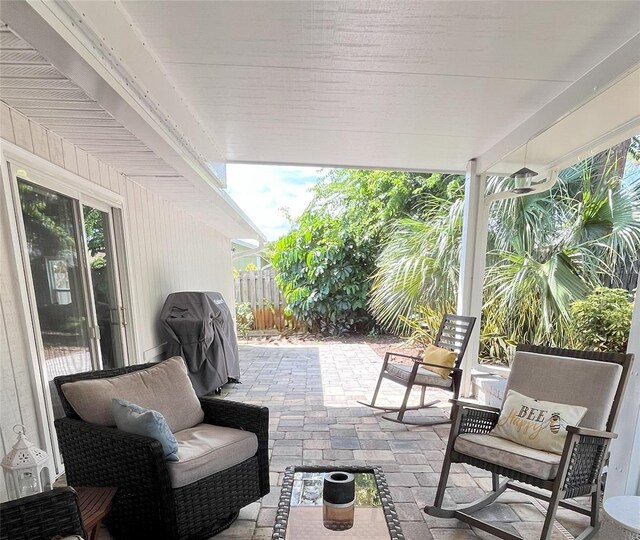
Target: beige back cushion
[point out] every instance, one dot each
(165, 388)
(574, 381)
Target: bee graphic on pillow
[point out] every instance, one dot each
(554, 423)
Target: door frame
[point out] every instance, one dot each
(116, 278)
(55, 178)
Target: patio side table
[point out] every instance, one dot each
(95, 503)
(621, 519)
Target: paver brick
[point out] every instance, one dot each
(374, 455)
(453, 534)
(345, 443)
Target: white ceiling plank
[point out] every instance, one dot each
(31, 57)
(52, 113)
(43, 94)
(616, 66)
(33, 105)
(29, 71)
(371, 102)
(476, 39)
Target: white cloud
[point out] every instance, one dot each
(262, 190)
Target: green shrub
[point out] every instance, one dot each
(323, 272)
(602, 320)
(325, 262)
(244, 319)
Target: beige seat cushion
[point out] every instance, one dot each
(206, 449)
(508, 454)
(164, 387)
(423, 376)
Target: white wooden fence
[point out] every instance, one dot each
(258, 288)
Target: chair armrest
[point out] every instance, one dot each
(45, 515)
(586, 432)
(223, 412)
(415, 358)
(587, 451)
(471, 405)
(473, 418)
(106, 456)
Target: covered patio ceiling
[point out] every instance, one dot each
(378, 84)
(395, 84)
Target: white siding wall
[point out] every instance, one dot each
(168, 250)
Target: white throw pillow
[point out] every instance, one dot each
(536, 424)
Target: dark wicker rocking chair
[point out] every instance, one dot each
(590, 379)
(453, 334)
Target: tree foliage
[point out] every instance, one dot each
(602, 320)
(417, 271)
(549, 250)
(545, 252)
(324, 264)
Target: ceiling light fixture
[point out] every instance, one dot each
(522, 178)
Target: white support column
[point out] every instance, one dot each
(472, 265)
(623, 477)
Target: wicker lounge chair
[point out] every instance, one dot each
(579, 378)
(453, 334)
(41, 517)
(146, 504)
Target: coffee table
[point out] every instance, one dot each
(300, 511)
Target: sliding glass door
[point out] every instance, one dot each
(59, 291)
(110, 320)
(75, 292)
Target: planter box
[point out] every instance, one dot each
(488, 388)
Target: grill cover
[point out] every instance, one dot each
(200, 328)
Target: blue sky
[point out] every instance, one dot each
(263, 190)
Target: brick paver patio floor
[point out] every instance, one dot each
(312, 395)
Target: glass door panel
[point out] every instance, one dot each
(104, 281)
(52, 236)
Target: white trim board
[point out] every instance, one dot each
(58, 178)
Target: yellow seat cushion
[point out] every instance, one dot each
(441, 357)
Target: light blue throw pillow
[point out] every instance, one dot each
(132, 418)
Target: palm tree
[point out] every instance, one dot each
(545, 251)
(418, 266)
(549, 250)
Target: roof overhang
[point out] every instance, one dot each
(180, 161)
(404, 85)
